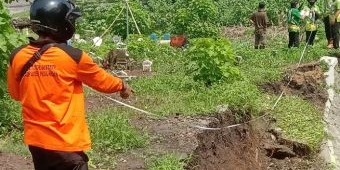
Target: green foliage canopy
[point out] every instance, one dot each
(97, 18)
(195, 18)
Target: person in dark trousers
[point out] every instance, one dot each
(312, 15)
(294, 19)
(260, 21)
(328, 21)
(46, 76)
(336, 26)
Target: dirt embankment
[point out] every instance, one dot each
(257, 146)
(251, 146)
(306, 81)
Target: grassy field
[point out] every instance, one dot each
(171, 91)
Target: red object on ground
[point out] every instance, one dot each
(178, 41)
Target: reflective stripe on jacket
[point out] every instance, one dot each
(310, 20)
(293, 28)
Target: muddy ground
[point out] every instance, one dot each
(14, 162)
(252, 146)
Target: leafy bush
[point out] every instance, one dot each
(9, 39)
(212, 61)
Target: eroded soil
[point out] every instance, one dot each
(306, 81)
(252, 146)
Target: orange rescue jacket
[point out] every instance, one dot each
(51, 94)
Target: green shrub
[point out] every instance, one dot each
(212, 61)
(10, 117)
(9, 40)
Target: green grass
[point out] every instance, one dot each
(11, 135)
(111, 133)
(300, 121)
(13, 143)
(181, 95)
(167, 162)
(10, 117)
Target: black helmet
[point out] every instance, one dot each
(54, 18)
(262, 5)
(294, 4)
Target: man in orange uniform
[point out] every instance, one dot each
(46, 76)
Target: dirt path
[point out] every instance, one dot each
(14, 162)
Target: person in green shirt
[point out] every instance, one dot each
(312, 14)
(294, 19)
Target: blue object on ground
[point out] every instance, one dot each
(166, 36)
(154, 37)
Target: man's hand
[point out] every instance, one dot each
(126, 91)
(252, 22)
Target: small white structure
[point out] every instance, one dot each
(147, 65)
(97, 41)
(76, 37)
(117, 39)
(164, 42)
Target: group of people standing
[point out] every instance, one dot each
(304, 15)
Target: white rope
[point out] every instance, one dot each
(131, 107)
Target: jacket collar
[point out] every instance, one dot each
(39, 43)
